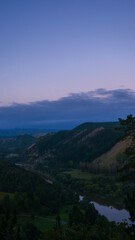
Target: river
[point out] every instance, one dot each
(111, 213)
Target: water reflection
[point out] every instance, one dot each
(113, 214)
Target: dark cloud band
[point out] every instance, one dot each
(98, 105)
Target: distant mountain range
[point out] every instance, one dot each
(10, 133)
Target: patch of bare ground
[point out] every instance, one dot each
(91, 134)
(75, 136)
(110, 158)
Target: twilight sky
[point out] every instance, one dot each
(96, 106)
(52, 48)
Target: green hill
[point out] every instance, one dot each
(17, 143)
(68, 148)
(31, 191)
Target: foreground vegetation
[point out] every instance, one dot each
(77, 222)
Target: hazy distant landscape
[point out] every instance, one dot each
(10, 133)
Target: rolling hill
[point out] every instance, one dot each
(68, 148)
(17, 143)
(32, 192)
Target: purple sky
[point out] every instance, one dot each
(51, 48)
(64, 62)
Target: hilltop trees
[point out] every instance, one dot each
(128, 128)
(128, 169)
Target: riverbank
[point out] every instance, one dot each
(100, 187)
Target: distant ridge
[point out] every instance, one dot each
(7, 133)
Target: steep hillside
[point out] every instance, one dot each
(112, 159)
(68, 148)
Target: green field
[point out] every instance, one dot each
(3, 194)
(78, 174)
(48, 222)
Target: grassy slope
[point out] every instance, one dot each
(109, 159)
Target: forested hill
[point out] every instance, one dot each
(17, 143)
(68, 148)
(30, 190)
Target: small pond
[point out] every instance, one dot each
(110, 212)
